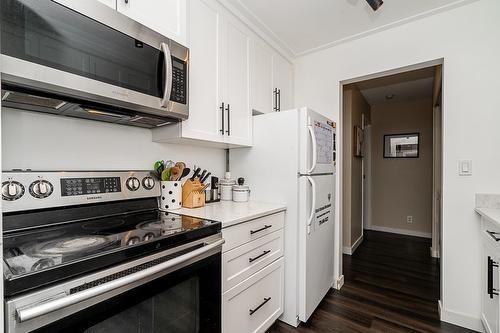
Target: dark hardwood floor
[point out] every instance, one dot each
(391, 285)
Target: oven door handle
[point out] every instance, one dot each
(165, 49)
(39, 310)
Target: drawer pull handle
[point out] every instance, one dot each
(261, 305)
(259, 256)
(491, 264)
(261, 229)
(493, 235)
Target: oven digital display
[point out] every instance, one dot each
(85, 186)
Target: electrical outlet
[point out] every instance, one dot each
(409, 219)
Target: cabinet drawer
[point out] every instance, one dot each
(248, 231)
(243, 261)
(253, 305)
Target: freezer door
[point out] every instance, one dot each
(316, 231)
(317, 143)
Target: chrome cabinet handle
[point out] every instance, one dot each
(252, 311)
(491, 264)
(29, 313)
(275, 97)
(261, 229)
(167, 56)
(493, 235)
(279, 100)
(259, 256)
(228, 109)
(221, 108)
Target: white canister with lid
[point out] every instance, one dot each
(241, 193)
(226, 187)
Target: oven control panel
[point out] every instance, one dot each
(27, 190)
(81, 186)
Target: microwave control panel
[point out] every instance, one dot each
(179, 81)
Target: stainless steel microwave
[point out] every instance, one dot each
(84, 59)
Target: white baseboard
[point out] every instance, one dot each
(460, 319)
(400, 231)
(350, 250)
(339, 282)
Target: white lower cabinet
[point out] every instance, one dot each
(254, 304)
(490, 309)
(252, 273)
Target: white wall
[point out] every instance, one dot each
(46, 142)
(468, 38)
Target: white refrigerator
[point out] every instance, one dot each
(292, 161)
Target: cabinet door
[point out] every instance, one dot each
(110, 3)
(283, 80)
(168, 17)
(490, 306)
(261, 77)
(205, 117)
(236, 80)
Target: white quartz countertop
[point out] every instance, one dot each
(491, 214)
(230, 213)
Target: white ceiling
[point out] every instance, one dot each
(301, 26)
(405, 86)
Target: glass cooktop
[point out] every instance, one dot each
(48, 254)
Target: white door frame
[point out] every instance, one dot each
(366, 178)
(338, 267)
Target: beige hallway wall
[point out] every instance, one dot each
(354, 106)
(402, 186)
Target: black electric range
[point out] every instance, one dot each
(89, 251)
(45, 255)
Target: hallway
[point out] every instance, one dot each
(391, 285)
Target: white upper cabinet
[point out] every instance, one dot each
(219, 87)
(110, 3)
(283, 83)
(261, 74)
(271, 79)
(168, 17)
(205, 112)
(236, 82)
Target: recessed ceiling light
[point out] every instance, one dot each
(389, 96)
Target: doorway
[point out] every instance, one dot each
(390, 176)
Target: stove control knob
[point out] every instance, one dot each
(133, 184)
(148, 183)
(12, 190)
(41, 189)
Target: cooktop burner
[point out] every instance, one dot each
(47, 254)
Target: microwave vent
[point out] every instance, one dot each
(32, 100)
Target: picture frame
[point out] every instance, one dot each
(402, 145)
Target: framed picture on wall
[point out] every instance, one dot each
(404, 145)
(358, 141)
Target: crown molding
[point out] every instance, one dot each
(258, 27)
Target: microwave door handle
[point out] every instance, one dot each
(28, 313)
(313, 204)
(313, 145)
(165, 49)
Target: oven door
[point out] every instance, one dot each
(173, 291)
(92, 53)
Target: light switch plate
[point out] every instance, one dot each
(465, 167)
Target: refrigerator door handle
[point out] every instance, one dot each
(313, 204)
(314, 153)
